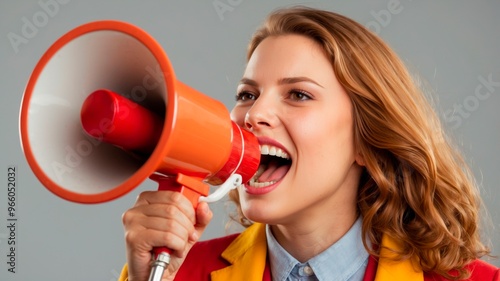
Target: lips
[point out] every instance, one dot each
(275, 163)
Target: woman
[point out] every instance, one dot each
(357, 179)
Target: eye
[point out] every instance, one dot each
(245, 96)
(299, 95)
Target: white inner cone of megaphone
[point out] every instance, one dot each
(99, 59)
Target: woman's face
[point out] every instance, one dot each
(291, 100)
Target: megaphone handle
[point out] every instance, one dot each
(190, 187)
(160, 263)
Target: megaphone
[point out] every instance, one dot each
(103, 111)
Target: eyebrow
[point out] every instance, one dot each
(281, 81)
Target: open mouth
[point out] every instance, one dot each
(274, 165)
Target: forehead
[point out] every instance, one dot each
(288, 55)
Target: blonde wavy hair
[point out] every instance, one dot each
(416, 187)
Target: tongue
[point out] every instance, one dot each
(275, 171)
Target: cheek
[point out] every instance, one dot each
(317, 126)
(325, 136)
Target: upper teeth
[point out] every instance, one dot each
(267, 150)
(274, 151)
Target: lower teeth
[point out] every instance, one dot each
(254, 183)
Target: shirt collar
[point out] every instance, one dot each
(342, 259)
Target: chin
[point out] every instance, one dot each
(260, 212)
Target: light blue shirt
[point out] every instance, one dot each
(346, 260)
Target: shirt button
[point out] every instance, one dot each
(308, 270)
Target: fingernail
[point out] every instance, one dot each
(194, 236)
(204, 208)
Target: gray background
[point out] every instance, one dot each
(451, 44)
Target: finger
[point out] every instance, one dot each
(162, 211)
(145, 240)
(165, 225)
(157, 197)
(203, 217)
(166, 197)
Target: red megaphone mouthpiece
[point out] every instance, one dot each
(114, 119)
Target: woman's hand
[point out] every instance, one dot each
(161, 218)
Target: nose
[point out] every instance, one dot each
(261, 115)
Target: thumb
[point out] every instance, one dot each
(203, 217)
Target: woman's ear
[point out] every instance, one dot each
(360, 160)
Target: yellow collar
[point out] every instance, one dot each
(247, 255)
(391, 270)
(248, 252)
